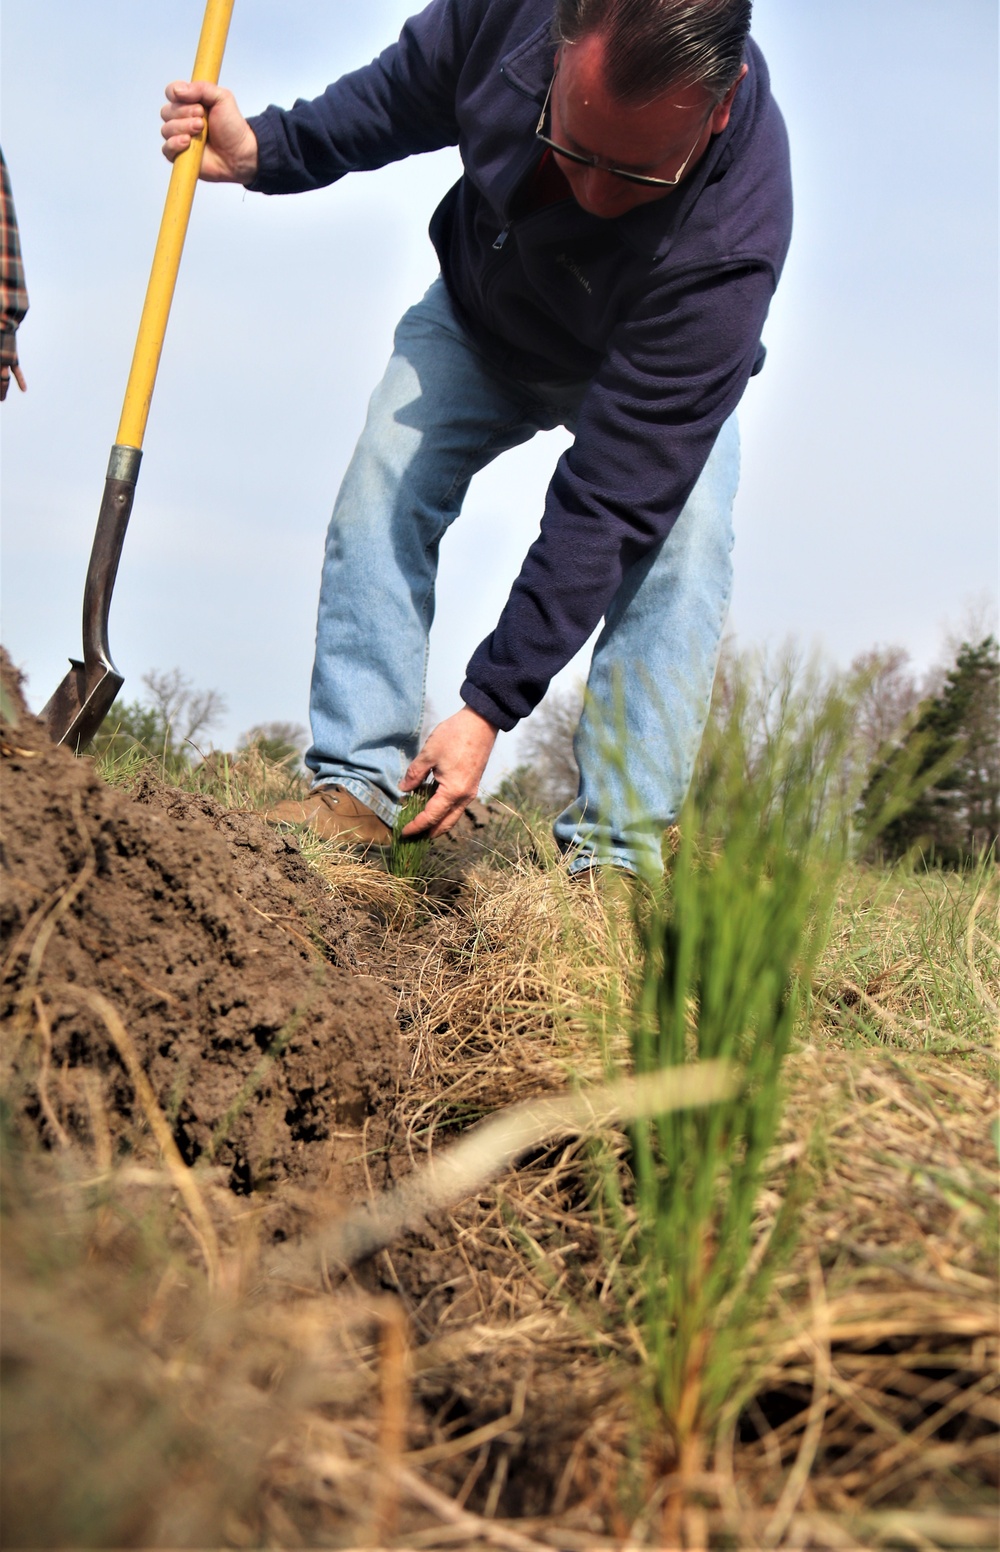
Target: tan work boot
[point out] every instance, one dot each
(336, 815)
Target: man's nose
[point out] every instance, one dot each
(601, 189)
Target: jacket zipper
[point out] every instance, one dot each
(492, 270)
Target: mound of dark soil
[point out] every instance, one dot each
(227, 959)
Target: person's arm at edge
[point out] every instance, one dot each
(13, 292)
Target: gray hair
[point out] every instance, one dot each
(655, 44)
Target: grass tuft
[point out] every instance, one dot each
(728, 952)
(405, 858)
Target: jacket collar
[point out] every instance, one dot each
(528, 67)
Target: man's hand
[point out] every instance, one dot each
(6, 373)
(231, 149)
(456, 752)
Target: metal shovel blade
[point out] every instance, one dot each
(81, 702)
(79, 705)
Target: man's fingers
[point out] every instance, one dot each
(181, 121)
(440, 814)
(181, 129)
(456, 751)
(183, 118)
(416, 772)
(195, 91)
(177, 109)
(19, 379)
(173, 147)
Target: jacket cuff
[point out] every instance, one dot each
(264, 135)
(476, 700)
(8, 348)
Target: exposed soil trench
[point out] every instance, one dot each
(228, 961)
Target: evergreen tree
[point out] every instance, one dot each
(951, 757)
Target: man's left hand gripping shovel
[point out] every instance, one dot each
(83, 700)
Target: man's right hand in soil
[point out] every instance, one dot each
(231, 149)
(455, 754)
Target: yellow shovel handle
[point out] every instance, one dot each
(170, 242)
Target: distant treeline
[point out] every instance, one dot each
(933, 742)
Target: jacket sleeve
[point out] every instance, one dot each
(674, 372)
(400, 104)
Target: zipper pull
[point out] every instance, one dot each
(501, 239)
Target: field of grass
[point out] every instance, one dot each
(770, 1321)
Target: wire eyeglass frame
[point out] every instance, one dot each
(594, 162)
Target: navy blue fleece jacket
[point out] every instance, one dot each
(659, 311)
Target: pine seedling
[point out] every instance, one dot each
(408, 859)
(728, 950)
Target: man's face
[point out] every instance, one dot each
(656, 140)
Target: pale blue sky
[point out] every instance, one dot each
(867, 512)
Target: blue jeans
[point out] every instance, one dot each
(439, 415)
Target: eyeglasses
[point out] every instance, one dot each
(595, 161)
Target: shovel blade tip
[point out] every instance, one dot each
(80, 703)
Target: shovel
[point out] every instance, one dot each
(83, 700)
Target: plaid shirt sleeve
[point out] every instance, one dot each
(13, 292)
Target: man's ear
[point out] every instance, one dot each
(720, 117)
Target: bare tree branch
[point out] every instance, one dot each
(184, 711)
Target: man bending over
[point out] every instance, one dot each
(608, 258)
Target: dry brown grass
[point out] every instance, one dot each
(886, 1393)
(474, 1388)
